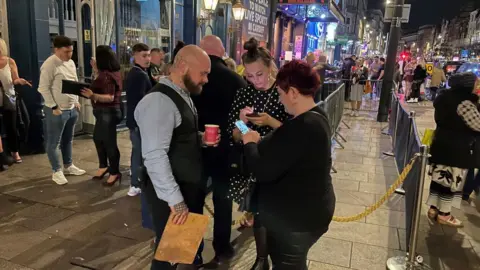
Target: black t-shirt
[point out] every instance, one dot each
(382, 68)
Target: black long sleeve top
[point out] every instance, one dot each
(292, 167)
(137, 85)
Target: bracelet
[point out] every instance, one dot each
(180, 207)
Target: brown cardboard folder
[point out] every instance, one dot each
(179, 243)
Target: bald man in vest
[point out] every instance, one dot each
(213, 106)
(172, 144)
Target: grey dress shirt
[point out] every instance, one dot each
(157, 116)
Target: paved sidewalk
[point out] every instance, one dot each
(45, 226)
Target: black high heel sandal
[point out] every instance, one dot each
(5, 161)
(95, 178)
(117, 179)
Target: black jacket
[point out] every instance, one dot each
(213, 106)
(348, 63)
(137, 85)
(454, 142)
(292, 167)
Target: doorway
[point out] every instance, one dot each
(85, 52)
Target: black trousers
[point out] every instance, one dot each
(222, 219)
(10, 124)
(288, 250)
(348, 89)
(416, 89)
(194, 197)
(433, 91)
(105, 138)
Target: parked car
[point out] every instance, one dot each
(452, 67)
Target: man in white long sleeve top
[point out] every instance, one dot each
(61, 110)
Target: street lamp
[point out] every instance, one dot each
(238, 11)
(439, 36)
(210, 5)
(368, 25)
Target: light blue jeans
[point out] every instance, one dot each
(136, 157)
(59, 132)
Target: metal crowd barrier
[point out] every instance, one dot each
(407, 148)
(333, 106)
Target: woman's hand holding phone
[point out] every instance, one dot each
(251, 136)
(263, 119)
(244, 112)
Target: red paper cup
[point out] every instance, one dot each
(211, 133)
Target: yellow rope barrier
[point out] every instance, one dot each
(401, 178)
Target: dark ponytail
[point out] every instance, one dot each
(178, 47)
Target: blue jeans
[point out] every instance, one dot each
(136, 157)
(147, 222)
(60, 134)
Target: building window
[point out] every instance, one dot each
(348, 21)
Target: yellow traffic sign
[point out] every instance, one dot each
(429, 68)
(86, 34)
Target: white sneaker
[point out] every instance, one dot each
(357, 113)
(352, 113)
(59, 178)
(73, 170)
(134, 191)
(411, 100)
(415, 100)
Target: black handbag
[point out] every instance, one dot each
(9, 101)
(240, 191)
(246, 205)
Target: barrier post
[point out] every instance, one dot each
(396, 125)
(413, 261)
(410, 130)
(394, 143)
(406, 158)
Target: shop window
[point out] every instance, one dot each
(146, 21)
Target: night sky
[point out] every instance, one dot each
(428, 11)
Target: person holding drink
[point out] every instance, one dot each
(258, 106)
(213, 106)
(171, 143)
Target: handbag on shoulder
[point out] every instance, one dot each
(9, 102)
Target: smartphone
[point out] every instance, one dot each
(254, 114)
(242, 126)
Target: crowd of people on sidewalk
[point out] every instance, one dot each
(270, 149)
(254, 132)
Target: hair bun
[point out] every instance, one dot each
(251, 45)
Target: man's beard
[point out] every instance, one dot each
(192, 87)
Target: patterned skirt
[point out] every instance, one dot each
(446, 187)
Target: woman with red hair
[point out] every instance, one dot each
(292, 166)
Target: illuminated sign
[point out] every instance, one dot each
(301, 1)
(256, 19)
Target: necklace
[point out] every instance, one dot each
(268, 99)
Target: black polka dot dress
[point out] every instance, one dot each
(266, 101)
